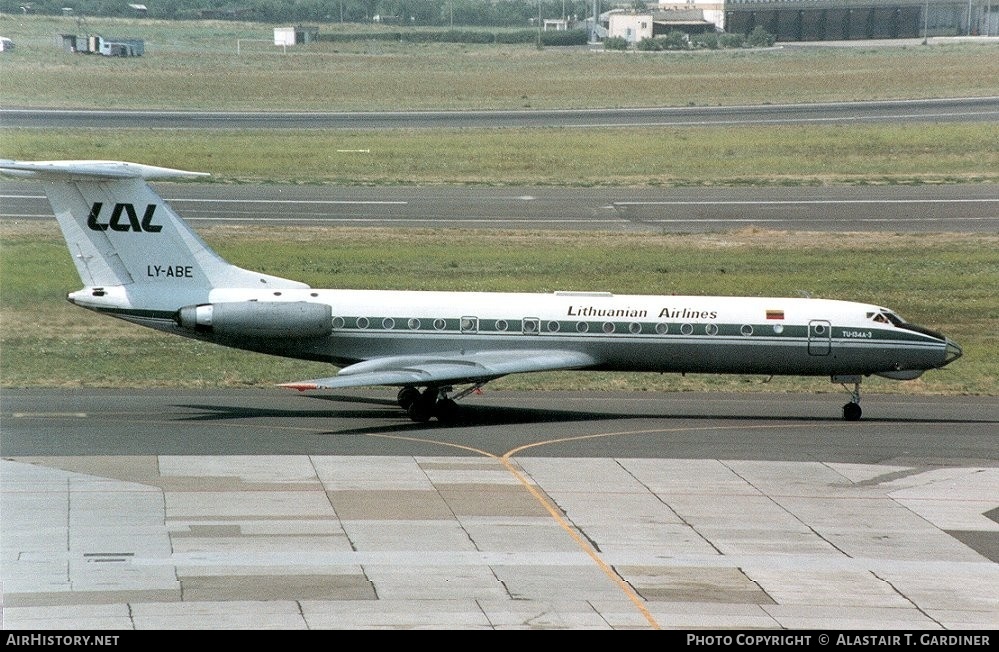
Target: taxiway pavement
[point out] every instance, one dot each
(260, 509)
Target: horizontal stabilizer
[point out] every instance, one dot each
(69, 170)
(457, 368)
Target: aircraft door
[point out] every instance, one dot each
(819, 337)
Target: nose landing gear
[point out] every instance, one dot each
(851, 411)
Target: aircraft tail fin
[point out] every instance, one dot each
(120, 232)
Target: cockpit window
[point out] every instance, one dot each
(886, 317)
(893, 318)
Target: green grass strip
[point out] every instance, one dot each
(790, 155)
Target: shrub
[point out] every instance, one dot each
(616, 43)
(732, 40)
(671, 41)
(564, 37)
(342, 37)
(760, 38)
(674, 40)
(517, 36)
(450, 36)
(654, 44)
(707, 40)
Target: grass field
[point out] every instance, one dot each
(947, 281)
(790, 155)
(195, 65)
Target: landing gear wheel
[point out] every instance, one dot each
(851, 411)
(424, 405)
(447, 410)
(439, 402)
(407, 396)
(421, 409)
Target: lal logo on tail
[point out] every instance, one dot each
(116, 224)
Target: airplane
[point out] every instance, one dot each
(140, 262)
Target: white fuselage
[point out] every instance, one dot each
(688, 334)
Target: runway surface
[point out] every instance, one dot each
(973, 109)
(254, 509)
(967, 208)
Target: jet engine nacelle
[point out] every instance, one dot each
(259, 319)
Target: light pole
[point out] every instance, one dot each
(539, 24)
(926, 17)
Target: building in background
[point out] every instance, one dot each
(295, 35)
(844, 20)
(807, 20)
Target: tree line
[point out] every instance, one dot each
(434, 13)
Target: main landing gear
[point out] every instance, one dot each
(432, 402)
(851, 411)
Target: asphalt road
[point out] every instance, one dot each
(968, 208)
(935, 110)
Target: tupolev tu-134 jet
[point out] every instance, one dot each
(139, 261)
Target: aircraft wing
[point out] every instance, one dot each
(442, 368)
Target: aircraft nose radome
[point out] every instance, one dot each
(952, 352)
